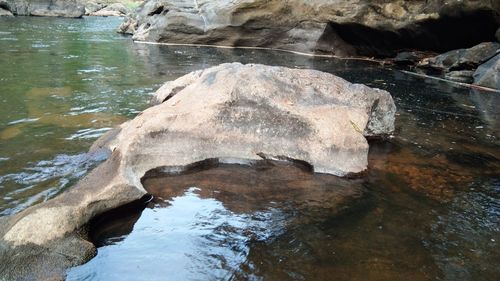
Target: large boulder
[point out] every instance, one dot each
(488, 74)
(47, 8)
(231, 113)
(340, 27)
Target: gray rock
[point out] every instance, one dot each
(234, 113)
(488, 74)
(5, 13)
(337, 27)
(408, 58)
(464, 76)
(47, 8)
(91, 7)
(463, 59)
(113, 10)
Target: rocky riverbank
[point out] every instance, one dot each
(345, 28)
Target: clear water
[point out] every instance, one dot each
(429, 207)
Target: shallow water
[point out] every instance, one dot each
(429, 207)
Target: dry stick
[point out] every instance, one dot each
(267, 49)
(322, 56)
(472, 86)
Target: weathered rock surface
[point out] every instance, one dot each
(91, 7)
(464, 76)
(4, 13)
(463, 59)
(234, 113)
(47, 8)
(488, 74)
(409, 58)
(340, 27)
(112, 10)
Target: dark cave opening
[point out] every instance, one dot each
(159, 10)
(449, 32)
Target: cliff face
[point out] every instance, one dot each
(342, 27)
(49, 8)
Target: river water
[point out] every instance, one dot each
(427, 209)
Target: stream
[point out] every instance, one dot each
(427, 209)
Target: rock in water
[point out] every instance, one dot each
(233, 113)
(488, 74)
(463, 59)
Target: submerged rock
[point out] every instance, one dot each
(46, 8)
(488, 74)
(352, 27)
(231, 113)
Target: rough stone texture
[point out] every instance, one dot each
(408, 58)
(463, 59)
(113, 10)
(4, 13)
(464, 76)
(91, 7)
(235, 113)
(488, 74)
(47, 8)
(346, 27)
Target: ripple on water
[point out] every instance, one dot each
(91, 133)
(204, 225)
(43, 180)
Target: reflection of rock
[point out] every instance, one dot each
(265, 185)
(487, 105)
(488, 74)
(232, 112)
(46, 8)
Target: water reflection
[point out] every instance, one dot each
(204, 225)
